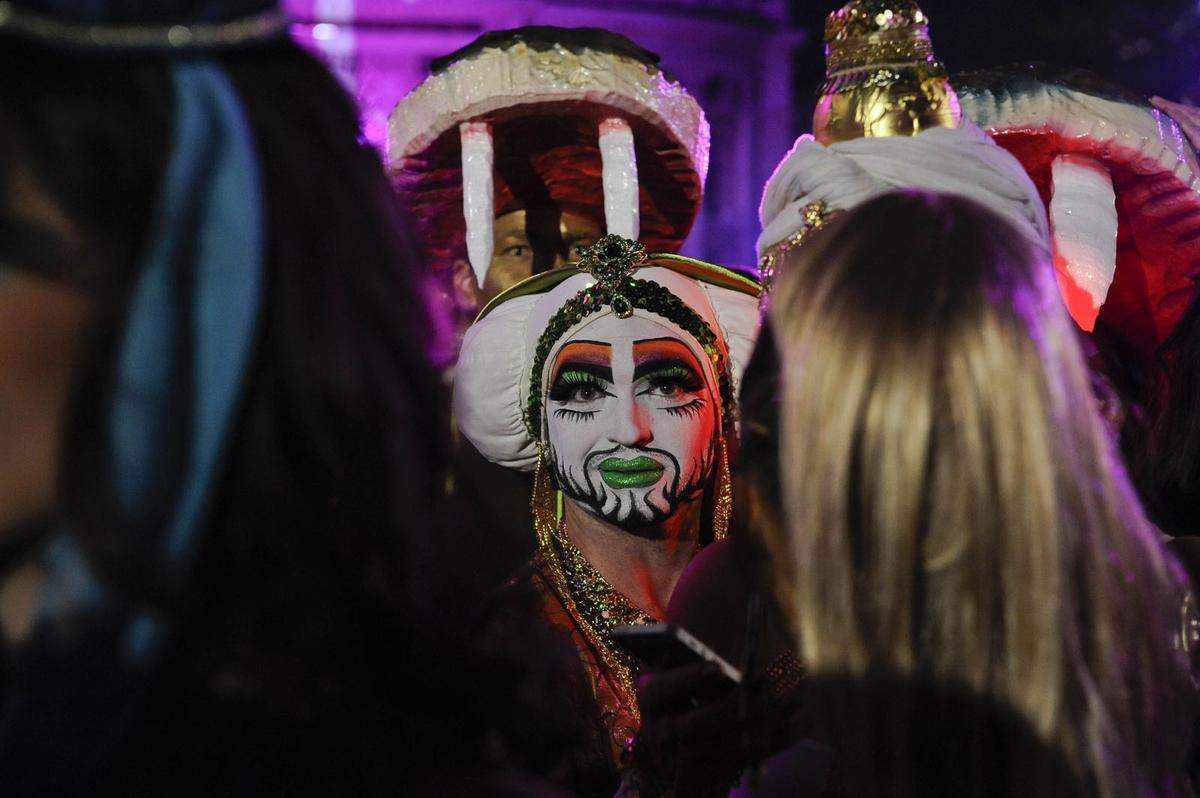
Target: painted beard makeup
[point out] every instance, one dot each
(631, 420)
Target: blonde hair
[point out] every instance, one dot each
(951, 504)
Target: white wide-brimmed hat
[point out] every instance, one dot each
(548, 114)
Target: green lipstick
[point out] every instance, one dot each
(640, 472)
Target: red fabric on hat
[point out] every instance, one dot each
(568, 177)
(550, 156)
(1158, 233)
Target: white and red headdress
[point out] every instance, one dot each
(1122, 187)
(579, 118)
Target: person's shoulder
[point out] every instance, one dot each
(718, 561)
(527, 585)
(520, 600)
(715, 576)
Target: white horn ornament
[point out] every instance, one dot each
(1083, 221)
(620, 178)
(478, 158)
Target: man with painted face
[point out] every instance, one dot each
(631, 427)
(614, 381)
(518, 152)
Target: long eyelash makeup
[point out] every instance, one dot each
(691, 408)
(574, 415)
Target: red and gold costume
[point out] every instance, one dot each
(714, 314)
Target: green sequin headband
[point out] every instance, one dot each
(612, 261)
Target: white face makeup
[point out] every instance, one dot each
(631, 420)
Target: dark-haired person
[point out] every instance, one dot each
(1164, 445)
(518, 152)
(218, 429)
(1163, 450)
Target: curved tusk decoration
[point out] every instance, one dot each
(1083, 220)
(479, 200)
(620, 178)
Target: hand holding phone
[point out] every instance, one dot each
(664, 645)
(689, 697)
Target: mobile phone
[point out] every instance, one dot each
(665, 645)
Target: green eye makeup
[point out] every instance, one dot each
(569, 380)
(682, 376)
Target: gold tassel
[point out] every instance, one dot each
(723, 494)
(542, 502)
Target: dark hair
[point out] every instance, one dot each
(1164, 452)
(295, 622)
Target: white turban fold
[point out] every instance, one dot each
(493, 376)
(962, 161)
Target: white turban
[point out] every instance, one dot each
(962, 161)
(492, 379)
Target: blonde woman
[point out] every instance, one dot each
(950, 513)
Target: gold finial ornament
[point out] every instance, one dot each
(881, 76)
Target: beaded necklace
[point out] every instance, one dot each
(600, 604)
(596, 607)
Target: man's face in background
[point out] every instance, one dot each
(527, 241)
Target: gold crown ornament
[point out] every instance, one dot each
(881, 76)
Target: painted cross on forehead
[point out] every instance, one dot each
(631, 420)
